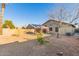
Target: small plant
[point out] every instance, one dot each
(40, 39)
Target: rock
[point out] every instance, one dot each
(60, 53)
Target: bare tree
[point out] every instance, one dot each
(61, 15)
(75, 16)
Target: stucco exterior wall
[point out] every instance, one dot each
(64, 28)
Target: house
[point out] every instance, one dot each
(33, 27)
(58, 26)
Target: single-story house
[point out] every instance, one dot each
(57, 26)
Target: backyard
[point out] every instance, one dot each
(25, 45)
(23, 32)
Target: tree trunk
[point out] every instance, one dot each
(0, 24)
(57, 34)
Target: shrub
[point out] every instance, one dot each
(38, 30)
(8, 23)
(30, 33)
(23, 28)
(40, 40)
(44, 31)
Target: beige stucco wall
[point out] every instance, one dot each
(63, 28)
(51, 24)
(9, 32)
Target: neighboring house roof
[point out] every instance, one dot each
(31, 26)
(58, 22)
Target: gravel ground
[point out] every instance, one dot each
(68, 45)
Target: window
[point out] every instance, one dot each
(56, 29)
(50, 28)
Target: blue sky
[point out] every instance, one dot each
(31, 13)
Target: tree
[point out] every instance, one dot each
(8, 24)
(1, 16)
(62, 14)
(75, 16)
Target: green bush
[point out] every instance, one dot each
(8, 23)
(40, 40)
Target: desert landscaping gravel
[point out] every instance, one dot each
(67, 45)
